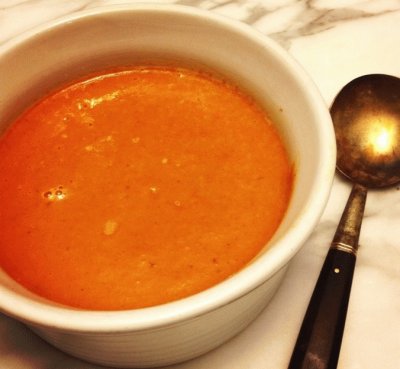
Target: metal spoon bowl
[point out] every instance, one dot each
(366, 117)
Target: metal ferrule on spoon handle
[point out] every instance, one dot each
(319, 340)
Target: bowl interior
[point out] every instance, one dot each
(53, 55)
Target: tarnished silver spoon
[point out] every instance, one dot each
(366, 117)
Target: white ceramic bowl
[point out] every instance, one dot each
(52, 54)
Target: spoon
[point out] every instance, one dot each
(366, 118)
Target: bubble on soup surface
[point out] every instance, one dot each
(55, 193)
(48, 195)
(59, 194)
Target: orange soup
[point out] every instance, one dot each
(138, 187)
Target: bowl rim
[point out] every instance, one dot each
(40, 314)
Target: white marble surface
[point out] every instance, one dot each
(335, 41)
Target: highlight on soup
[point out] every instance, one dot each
(137, 187)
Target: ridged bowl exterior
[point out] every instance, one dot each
(169, 344)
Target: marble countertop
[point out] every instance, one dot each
(335, 41)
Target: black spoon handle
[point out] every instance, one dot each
(320, 337)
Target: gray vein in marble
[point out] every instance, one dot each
(311, 17)
(314, 21)
(19, 16)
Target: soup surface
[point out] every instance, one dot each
(138, 187)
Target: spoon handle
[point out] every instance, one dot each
(319, 340)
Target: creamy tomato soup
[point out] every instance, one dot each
(138, 187)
